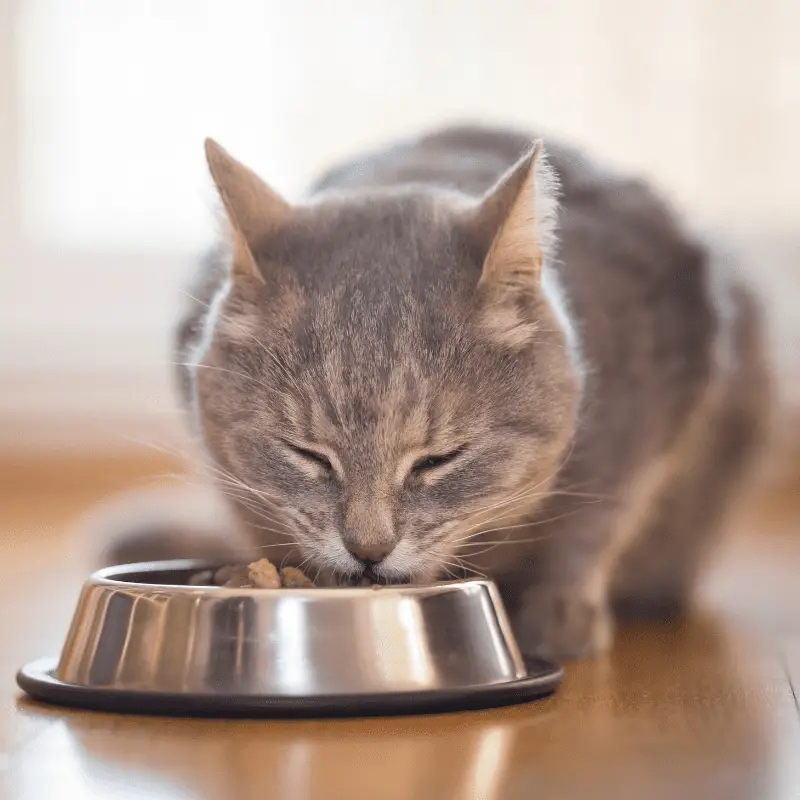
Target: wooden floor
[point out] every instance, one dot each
(703, 709)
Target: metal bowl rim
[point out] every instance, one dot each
(102, 578)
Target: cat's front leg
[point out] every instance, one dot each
(562, 607)
(558, 593)
(562, 622)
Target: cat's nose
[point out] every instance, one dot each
(372, 553)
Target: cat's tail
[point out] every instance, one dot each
(159, 524)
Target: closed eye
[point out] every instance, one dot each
(434, 461)
(311, 455)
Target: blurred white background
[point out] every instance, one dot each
(104, 198)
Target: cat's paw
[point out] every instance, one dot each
(559, 624)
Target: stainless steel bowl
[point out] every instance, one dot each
(139, 631)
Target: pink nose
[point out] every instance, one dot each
(371, 554)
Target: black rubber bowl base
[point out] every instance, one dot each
(37, 680)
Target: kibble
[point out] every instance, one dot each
(293, 578)
(264, 574)
(261, 574)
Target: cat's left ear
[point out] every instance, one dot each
(254, 210)
(514, 223)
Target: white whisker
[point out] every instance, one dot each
(528, 492)
(222, 369)
(532, 523)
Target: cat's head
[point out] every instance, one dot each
(384, 368)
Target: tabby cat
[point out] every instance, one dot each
(460, 356)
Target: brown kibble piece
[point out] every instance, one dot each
(264, 574)
(293, 578)
(261, 574)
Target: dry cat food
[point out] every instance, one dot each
(261, 574)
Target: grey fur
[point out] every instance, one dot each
(607, 407)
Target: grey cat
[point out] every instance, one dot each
(432, 367)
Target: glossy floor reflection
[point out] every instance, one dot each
(699, 709)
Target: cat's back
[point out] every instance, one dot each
(470, 159)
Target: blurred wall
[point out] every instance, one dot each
(104, 198)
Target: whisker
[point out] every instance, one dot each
(478, 530)
(518, 509)
(221, 474)
(527, 492)
(222, 369)
(290, 538)
(497, 544)
(491, 530)
(531, 524)
(163, 477)
(174, 452)
(460, 563)
(449, 572)
(279, 527)
(230, 479)
(287, 530)
(267, 546)
(240, 490)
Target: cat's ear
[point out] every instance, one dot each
(514, 227)
(515, 222)
(255, 212)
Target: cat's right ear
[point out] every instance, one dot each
(513, 227)
(514, 223)
(255, 212)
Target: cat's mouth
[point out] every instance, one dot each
(371, 578)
